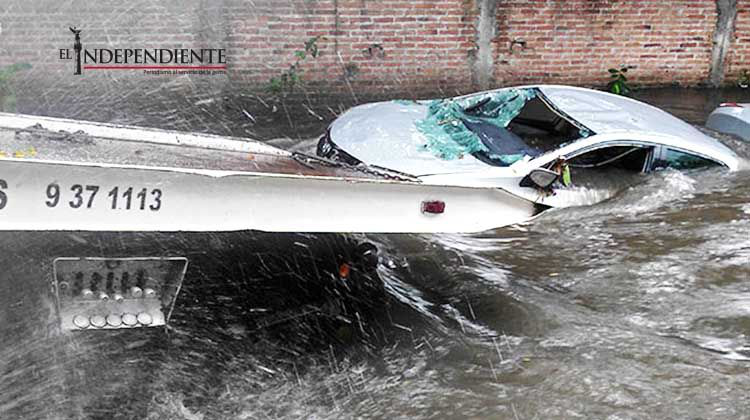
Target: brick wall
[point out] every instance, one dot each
(383, 46)
(739, 55)
(576, 41)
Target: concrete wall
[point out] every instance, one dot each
(393, 46)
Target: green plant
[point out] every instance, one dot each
(744, 80)
(619, 83)
(291, 78)
(7, 94)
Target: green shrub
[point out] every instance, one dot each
(619, 83)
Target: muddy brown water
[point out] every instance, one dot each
(637, 307)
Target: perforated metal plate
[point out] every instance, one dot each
(112, 293)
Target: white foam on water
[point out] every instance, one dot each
(665, 187)
(656, 191)
(581, 196)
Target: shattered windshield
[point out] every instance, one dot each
(498, 128)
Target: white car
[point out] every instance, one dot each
(731, 118)
(535, 142)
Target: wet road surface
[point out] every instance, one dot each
(636, 307)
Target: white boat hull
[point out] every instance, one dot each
(39, 195)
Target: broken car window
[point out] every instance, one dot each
(498, 128)
(447, 135)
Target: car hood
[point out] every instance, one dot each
(385, 134)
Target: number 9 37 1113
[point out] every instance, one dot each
(117, 198)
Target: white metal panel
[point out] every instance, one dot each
(37, 195)
(138, 134)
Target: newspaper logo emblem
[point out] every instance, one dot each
(77, 48)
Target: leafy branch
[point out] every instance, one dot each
(292, 77)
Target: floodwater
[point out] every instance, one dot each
(637, 307)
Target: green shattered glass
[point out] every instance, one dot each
(446, 135)
(507, 159)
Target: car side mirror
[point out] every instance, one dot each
(540, 178)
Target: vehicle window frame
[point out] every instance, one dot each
(623, 143)
(551, 156)
(663, 149)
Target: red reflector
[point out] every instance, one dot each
(344, 271)
(730, 105)
(433, 207)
